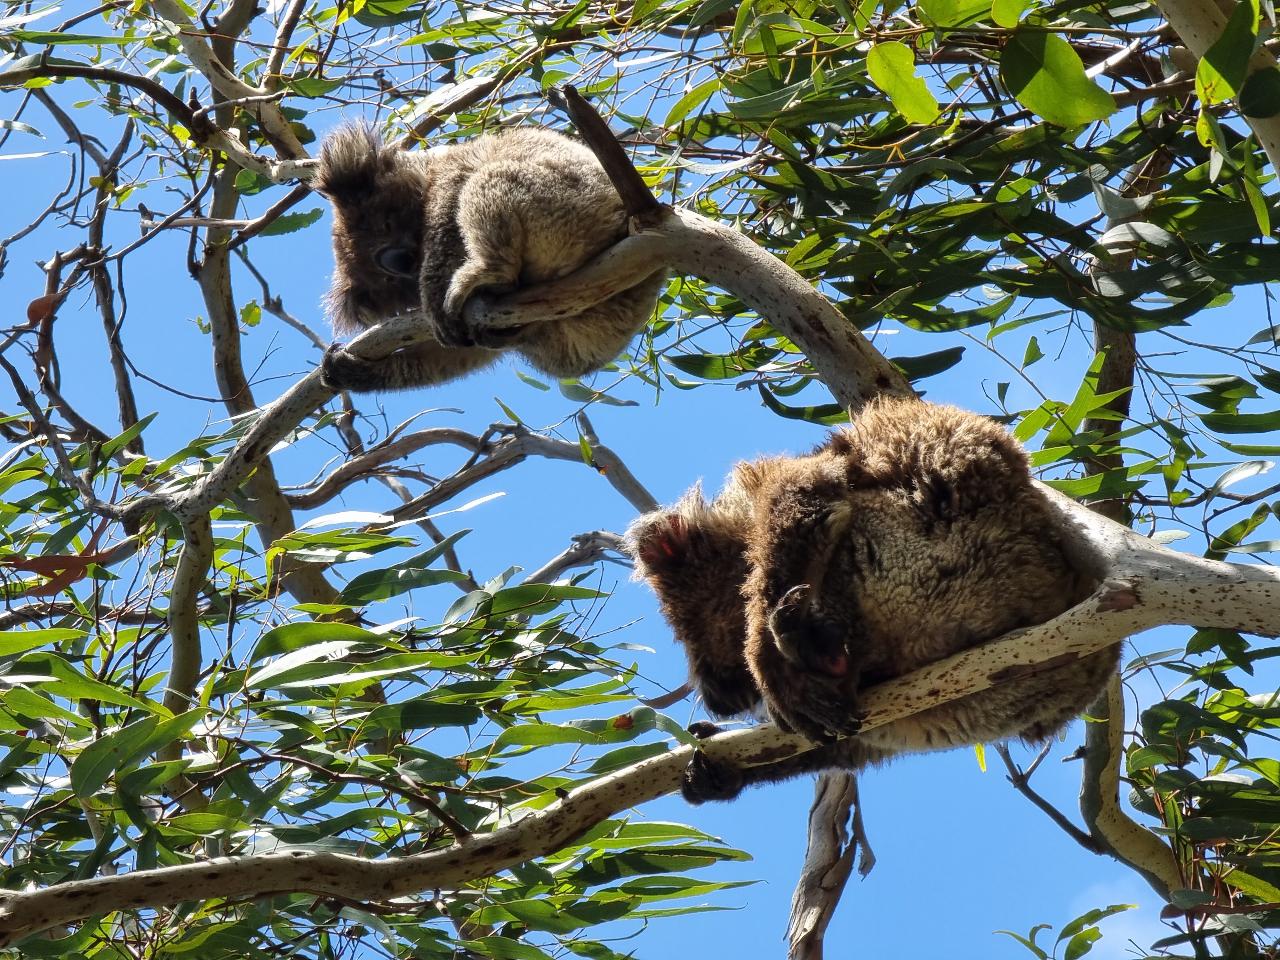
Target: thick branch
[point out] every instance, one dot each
(828, 864)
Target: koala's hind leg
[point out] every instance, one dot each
(417, 366)
(502, 216)
(954, 463)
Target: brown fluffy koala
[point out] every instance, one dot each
(418, 232)
(911, 535)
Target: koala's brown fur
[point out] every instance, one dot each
(909, 536)
(418, 232)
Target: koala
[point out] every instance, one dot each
(418, 232)
(909, 536)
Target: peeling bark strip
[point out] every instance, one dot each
(1168, 587)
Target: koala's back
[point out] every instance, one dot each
(548, 187)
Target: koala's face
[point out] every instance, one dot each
(378, 194)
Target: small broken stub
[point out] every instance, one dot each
(1117, 596)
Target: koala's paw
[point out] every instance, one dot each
(341, 370)
(454, 330)
(728, 694)
(704, 729)
(807, 639)
(815, 705)
(706, 779)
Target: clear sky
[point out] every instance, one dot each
(961, 854)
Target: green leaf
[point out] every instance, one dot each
(249, 182)
(826, 414)
(117, 442)
(1259, 98)
(1032, 353)
(1029, 941)
(122, 747)
(1082, 943)
(20, 641)
(295, 636)
(312, 87)
(421, 713)
(892, 68)
(1242, 422)
(502, 948)
(1007, 13)
(404, 576)
(531, 598)
(292, 222)
(65, 680)
(928, 364)
(691, 101)
(42, 38)
(1090, 917)
(382, 584)
(6, 124)
(1222, 70)
(953, 13)
(1046, 76)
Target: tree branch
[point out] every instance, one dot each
(828, 864)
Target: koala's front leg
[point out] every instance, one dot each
(486, 234)
(804, 643)
(418, 366)
(808, 687)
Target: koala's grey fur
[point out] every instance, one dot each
(419, 231)
(911, 535)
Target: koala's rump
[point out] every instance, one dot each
(939, 587)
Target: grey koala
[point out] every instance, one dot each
(418, 232)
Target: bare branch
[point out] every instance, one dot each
(1021, 780)
(828, 863)
(587, 550)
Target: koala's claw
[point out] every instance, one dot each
(341, 370)
(452, 332)
(499, 338)
(809, 641)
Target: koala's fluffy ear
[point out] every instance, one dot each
(350, 160)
